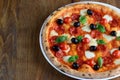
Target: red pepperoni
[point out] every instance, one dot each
(103, 21)
(80, 61)
(75, 31)
(96, 16)
(95, 34)
(104, 49)
(72, 30)
(60, 54)
(107, 60)
(60, 29)
(52, 39)
(75, 16)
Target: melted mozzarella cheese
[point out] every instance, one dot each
(67, 49)
(86, 28)
(83, 12)
(117, 61)
(89, 54)
(108, 18)
(68, 35)
(112, 50)
(118, 33)
(108, 37)
(88, 36)
(65, 58)
(53, 33)
(67, 15)
(93, 42)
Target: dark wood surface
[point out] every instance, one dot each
(20, 54)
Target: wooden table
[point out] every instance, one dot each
(20, 23)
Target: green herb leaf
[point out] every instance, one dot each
(80, 38)
(101, 28)
(118, 38)
(101, 42)
(73, 58)
(83, 19)
(61, 39)
(100, 61)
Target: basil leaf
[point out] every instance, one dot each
(100, 61)
(73, 58)
(101, 42)
(61, 39)
(83, 19)
(101, 28)
(80, 38)
(118, 38)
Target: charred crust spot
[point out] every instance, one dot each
(110, 71)
(51, 14)
(86, 67)
(48, 23)
(83, 74)
(89, 74)
(41, 35)
(88, 3)
(46, 48)
(109, 74)
(45, 40)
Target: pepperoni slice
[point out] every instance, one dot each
(75, 31)
(104, 50)
(60, 29)
(52, 39)
(96, 34)
(75, 16)
(107, 60)
(60, 54)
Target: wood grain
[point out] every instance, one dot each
(20, 23)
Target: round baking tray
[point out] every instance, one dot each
(43, 51)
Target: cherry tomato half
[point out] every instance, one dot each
(63, 46)
(116, 54)
(67, 20)
(85, 40)
(90, 62)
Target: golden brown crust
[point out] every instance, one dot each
(85, 71)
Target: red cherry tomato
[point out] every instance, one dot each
(90, 62)
(75, 16)
(85, 40)
(67, 20)
(116, 54)
(63, 46)
(103, 21)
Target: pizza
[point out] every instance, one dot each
(83, 40)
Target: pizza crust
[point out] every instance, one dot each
(85, 70)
